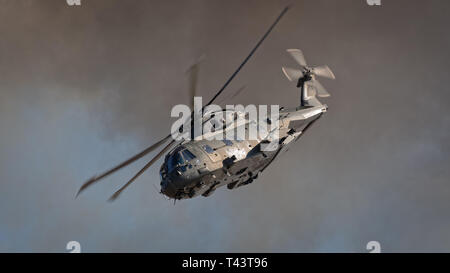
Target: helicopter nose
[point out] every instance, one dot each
(168, 189)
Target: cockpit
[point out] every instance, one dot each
(178, 168)
(173, 161)
(179, 158)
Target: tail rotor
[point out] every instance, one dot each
(306, 75)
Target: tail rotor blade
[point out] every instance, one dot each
(321, 91)
(96, 178)
(291, 73)
(298, 56)
(323, 71)
(153, 160)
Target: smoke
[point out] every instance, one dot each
(82, 88)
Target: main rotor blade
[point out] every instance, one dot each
(248, 57)
(323, 71)
(153, 160)
(193, 79)
(123, 164)
(291, 73)
(235, 94)
(298, 56)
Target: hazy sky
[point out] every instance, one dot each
(83, 88)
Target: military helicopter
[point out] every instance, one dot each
(194, 167)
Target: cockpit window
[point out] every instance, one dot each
(188, 156)
(174, 160)
(208, 149)
(227, 142)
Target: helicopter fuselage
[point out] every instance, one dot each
(199, 167)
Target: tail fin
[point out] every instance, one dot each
(309, 92)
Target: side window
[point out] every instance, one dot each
(208, 149)
(227, 142)
(188, 156)
(178, 158)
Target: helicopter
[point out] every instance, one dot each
(198, 166)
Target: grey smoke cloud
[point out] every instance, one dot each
(82, 88)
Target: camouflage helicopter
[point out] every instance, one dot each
(194, 167)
